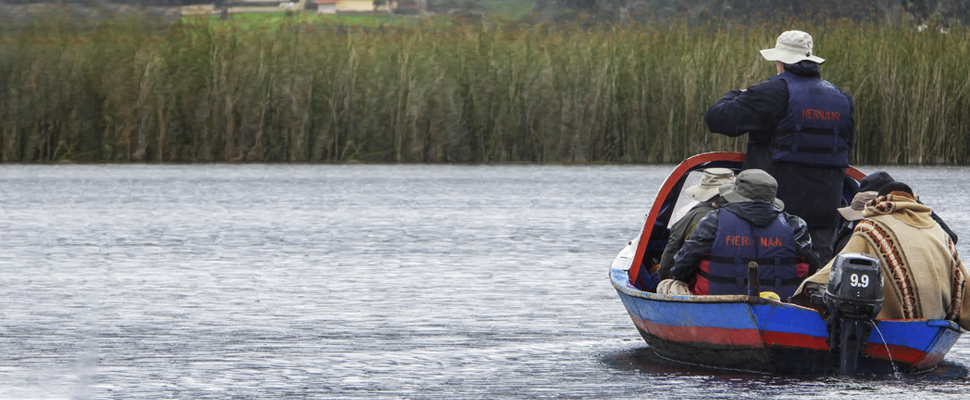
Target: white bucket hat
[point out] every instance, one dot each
(792, 47)
(712, 180)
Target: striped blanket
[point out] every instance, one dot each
(922, 272)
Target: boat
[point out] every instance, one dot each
(751, 333)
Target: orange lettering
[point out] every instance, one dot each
(771, 242)
(739, 240)
(811, 113)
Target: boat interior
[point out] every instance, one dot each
(671, 203)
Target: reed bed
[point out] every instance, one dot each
(456, 92)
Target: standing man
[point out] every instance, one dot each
(800, 130)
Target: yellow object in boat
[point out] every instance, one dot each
(770, 296)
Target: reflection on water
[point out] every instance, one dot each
(277, 281)
(947, 379)
(646, 361)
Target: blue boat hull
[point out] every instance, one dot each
(755, 334)
(751, 333)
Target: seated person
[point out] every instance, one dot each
(852, 214)
(750, 227)
(876, 180)
(705, 193)
(922, 273)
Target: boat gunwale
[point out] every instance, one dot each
(722, 298)
(693, 163)
(750, 300)
(624, 277)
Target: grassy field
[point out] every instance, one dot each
(493, 10)
(272, 19)
(306, 90)
(509, 9)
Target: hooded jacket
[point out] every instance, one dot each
(757, 213)
(922, 272)
(679, 232)
(811, 192)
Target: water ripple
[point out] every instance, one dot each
(357, 281)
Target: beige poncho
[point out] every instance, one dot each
(922, 272)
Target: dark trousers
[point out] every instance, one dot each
(823, 243)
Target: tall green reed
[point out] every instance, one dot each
(298, 91)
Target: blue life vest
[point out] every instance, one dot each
(737, 243)
(818, 129)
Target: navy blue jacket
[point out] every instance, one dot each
(811, 192)
(757, 213)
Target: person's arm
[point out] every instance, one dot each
(696, 247)
(678, 233)
(674, 243)
(803, 242)
(759, 108)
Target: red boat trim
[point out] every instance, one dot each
(669, 184)
(796, 340)
(702, 334)
(752, 339)
(854, 173)
(897, 353)
(665, 189)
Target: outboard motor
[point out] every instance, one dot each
(854, 298)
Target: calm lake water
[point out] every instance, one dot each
(357, 281)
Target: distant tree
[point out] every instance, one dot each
(948, 11)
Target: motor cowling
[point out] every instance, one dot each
(854, 298)
(855, 286)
